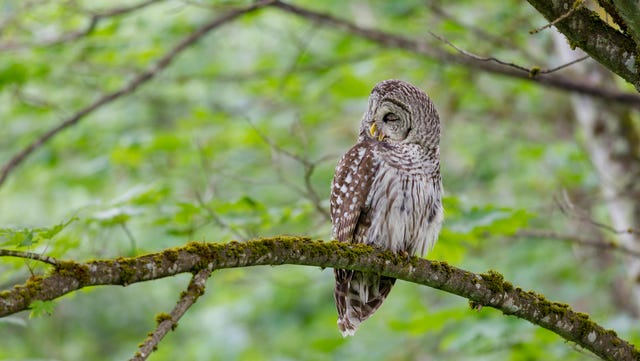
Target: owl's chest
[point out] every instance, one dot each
(404, 204)
(399, 193)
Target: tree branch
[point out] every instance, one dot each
(420, 47)
(591, 242)
(131, 86)
(169, 322)
(585, 29)
(487, 289)
(628, 11)
(94, 19)
(28, 255)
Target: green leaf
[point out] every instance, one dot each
(41, 308)
(49, 233)
(13, 73)
(25, 237)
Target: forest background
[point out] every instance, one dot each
(131, 128)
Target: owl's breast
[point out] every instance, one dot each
(406, 207)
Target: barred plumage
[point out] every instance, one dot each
(386, 192)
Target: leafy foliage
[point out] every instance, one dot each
(219, 147)
(28, 237)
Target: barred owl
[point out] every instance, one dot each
(386, 192)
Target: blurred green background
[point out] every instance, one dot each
(238, 138)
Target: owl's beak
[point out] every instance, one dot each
(373, 130)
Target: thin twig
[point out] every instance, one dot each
(107, 13)
(577, 5)
(571, 211)
(169, 322)
(309, 168)
(533, 71)
(131, 86)
(477, 57)
(478, 31)
(591, 242)
(28, 255)
(213, 215)
(419, 47)
(132, 239)
(565, 65)
(94, 19)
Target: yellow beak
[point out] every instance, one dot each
(373, 129)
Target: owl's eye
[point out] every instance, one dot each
(390, 117)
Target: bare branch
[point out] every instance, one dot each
(488, 289)
(576, 5)
(533, 71)
(591, 242)
(567, 208)
(131, 86)
(478, 31)
(169, 322)
(28, 255)
(215, 218)
(309, 168)
(94, 19)
(420, 47)
(107, 13)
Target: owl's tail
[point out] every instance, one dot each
(358, 295)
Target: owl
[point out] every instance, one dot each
(386, 192)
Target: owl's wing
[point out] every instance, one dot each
(350, 188)
(350, 218)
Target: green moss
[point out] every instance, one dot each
(74, 270)
(171, 254)
(560, 308)
(30, 289)
(128, 270)
(582, 316)
(535, 70)
(536, 295)
(161, 317)
(158, 260)
(495, 281)
(443, 267)
(474, 305)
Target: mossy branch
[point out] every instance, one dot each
(488, 289)
(627, 10)
(586, 30)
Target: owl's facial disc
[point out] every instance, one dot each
(391, 122)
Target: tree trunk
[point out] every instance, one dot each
(613, 145)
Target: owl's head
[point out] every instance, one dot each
(400, 113)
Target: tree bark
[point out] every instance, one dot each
(584, 29)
